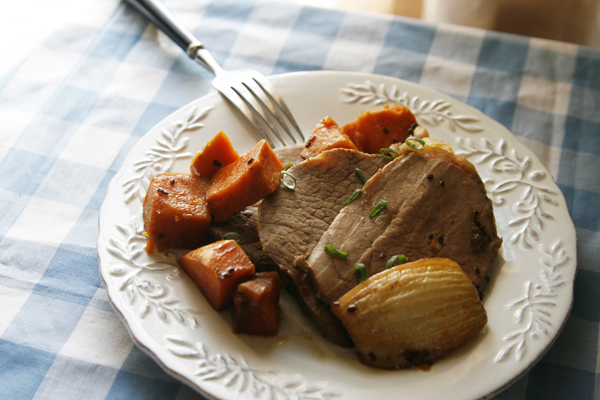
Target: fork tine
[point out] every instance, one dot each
(268, 111)
(260, 118)
(238, 101)
(275, 98)
(259, 101)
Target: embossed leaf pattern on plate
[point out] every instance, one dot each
(529, 213)
(137, 270)
(159, 158)
(532, 312)
(429, 112)
(237, 376)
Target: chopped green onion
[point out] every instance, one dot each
(332, 250)
(418, 146)
(288, 166)
(232, 235)
(378, 208)
(353, 196)
(361, 272)
(401, 258)
(287, 185)
(360, 175)
(384, 152)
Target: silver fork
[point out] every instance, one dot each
(248, 90)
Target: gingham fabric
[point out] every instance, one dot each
(73, 108)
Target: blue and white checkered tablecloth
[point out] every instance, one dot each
(76, 104)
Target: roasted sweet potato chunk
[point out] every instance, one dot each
(380, 128)
(326, 136)
(217, 268)
(256, 305)
(244, 182)
(217, 153)
(176, 212)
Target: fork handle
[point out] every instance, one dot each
(164, 20)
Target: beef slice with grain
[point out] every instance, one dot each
(454, 220)
(437, 207)
(290, 223)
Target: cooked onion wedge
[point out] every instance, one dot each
(411, 314)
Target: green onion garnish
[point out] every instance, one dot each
(287, 185)
(378, 208)
(385, 152)
(360, 175)
(288, 166)
(361, 272)
(401, 258)
(352, 197)
(417, 146)
(232, 235)
(332, 250)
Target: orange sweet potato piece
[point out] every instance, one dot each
(217, 153)
(176, 212)
(217, 268)
(256, 305)
(326, 136)
(380, 128)
(244, 182)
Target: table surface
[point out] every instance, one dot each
(75, 98)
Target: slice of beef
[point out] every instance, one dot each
(291, 222)
(245, 222)
(437, 207)
(353, 231)
(454, 221)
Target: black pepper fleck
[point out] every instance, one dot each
(385, 130)
(442, 183)
(309, 141)
(476, 270)
(160, 236)
(351, 308)
(172, 181)
(431, 237)
(429, 177)
(163, 191)
(412, 128)
(335, 304)
(372, 356)
(250, 161)
(217, 163)
(440, 239)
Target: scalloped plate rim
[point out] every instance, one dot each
(139, 337)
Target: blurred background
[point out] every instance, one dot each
(573, 21)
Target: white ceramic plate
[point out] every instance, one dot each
(527, 300)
